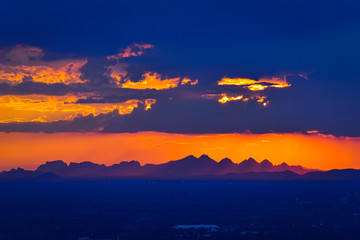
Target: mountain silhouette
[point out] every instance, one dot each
(189, 166)
(224, 166)
(132, 168)
(60, 168)
(335, 174)
(21, 174)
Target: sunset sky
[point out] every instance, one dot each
(155, 81)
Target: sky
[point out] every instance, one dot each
(103, 72)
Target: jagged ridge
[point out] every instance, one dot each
(188, 166)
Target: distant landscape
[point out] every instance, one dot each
(189, 167)
(179, 120)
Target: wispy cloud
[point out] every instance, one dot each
(245, 89)
(261, 84)
(152, 80)
(224, 98)
(133, 50)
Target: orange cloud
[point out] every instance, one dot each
(149, 102)
(186, 81)
(41, 108)
(133, 50)
(152, 80)
(276, 82)
(23, 63)
(117, 73)
(255, 85)
(258, 85)
(67, 73)
(312, 131)
(224, 98)
(236, 81)
(260, 99)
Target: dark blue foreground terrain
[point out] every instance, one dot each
(131, 209)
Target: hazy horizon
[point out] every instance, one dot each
(28, 150)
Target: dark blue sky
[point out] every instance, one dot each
(207, 40)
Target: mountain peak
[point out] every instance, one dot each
(56, 162)
(248, 165)
(129, 163)
(249, 162)
(86, 163)
(226, 161)
(204, 156)
(266, 165)
(190, 157)
(207, 159)
(19, 169)
(266, 162)
(50, 166)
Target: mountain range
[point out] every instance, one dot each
(189, 167)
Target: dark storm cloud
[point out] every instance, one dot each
(29, 87)
(95, 72)
(88, 123)
(195, 109)
(204, 116)
(203, 41)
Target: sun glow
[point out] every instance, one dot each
(313, 151)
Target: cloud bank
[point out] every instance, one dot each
(114, 93)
